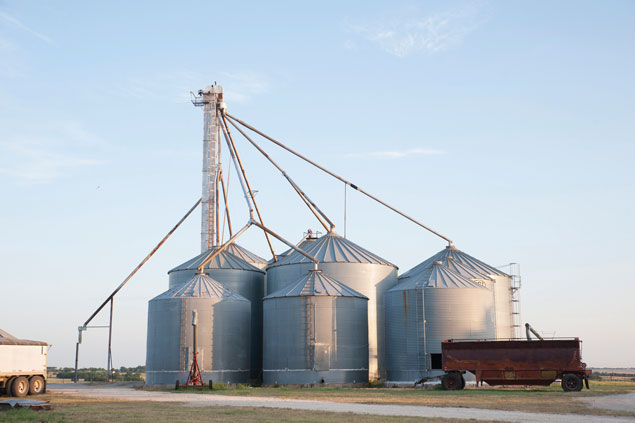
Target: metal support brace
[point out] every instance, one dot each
(111, 296)
(248, 199)
(355, 187)
(251, 194)
(310, 204)
(220, 249)
(225, 196)
(295, 248)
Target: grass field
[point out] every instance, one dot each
(74, 409)
(534, 400)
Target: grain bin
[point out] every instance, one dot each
(353, 266)
(426, 307)
(502, 286)
(315, 331)
(237, 275)
(224, 324)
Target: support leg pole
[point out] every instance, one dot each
(76, 359)
(109, 366)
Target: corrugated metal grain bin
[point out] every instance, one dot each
(224, 321)
(502, 286)
(315, 331)
(353, 266)
(238, 276)
(426, 308)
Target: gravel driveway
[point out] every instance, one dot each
(127, 392)
(625, 402)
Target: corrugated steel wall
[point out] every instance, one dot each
(251, 285)
(460, 313)
(310, 339)
(503, 304)
(403, 348)
(369, 279)
(223, 339)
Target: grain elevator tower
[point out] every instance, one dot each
(211, 100)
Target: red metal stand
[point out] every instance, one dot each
(194, 378)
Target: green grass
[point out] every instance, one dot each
(549, 399)
(74, 409)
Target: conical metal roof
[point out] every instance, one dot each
(333, 248)
(244, 254)
(461, 257)
(316, 283)
(463, 270)
(301, 245)
(436, 276)
(225, 260)
(201, 286)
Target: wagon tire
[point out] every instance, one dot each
(586, 382)
(37, 385)
(462, 382)
(176, 385)
(20, 387)
(451, 382)
(571, 382)
(7, 386)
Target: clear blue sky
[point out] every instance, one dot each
(507, 126)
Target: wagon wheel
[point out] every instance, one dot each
(571, 383)
(452, 382)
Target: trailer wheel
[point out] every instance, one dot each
(7, 386)
(36, 385)
(462, 382)
(451, 382)
(20, 387)
(571, 382)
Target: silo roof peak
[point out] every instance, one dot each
(333, 248)
(224, 260)
(435, 276)
(243, 253)
(201, 286)
(316, 283)
(459, 257)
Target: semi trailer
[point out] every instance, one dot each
(22, 366)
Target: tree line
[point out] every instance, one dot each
(97, 374)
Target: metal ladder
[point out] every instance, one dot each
(514, 272)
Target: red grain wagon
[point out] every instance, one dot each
(515, 362)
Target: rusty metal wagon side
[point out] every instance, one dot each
(515, 362)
